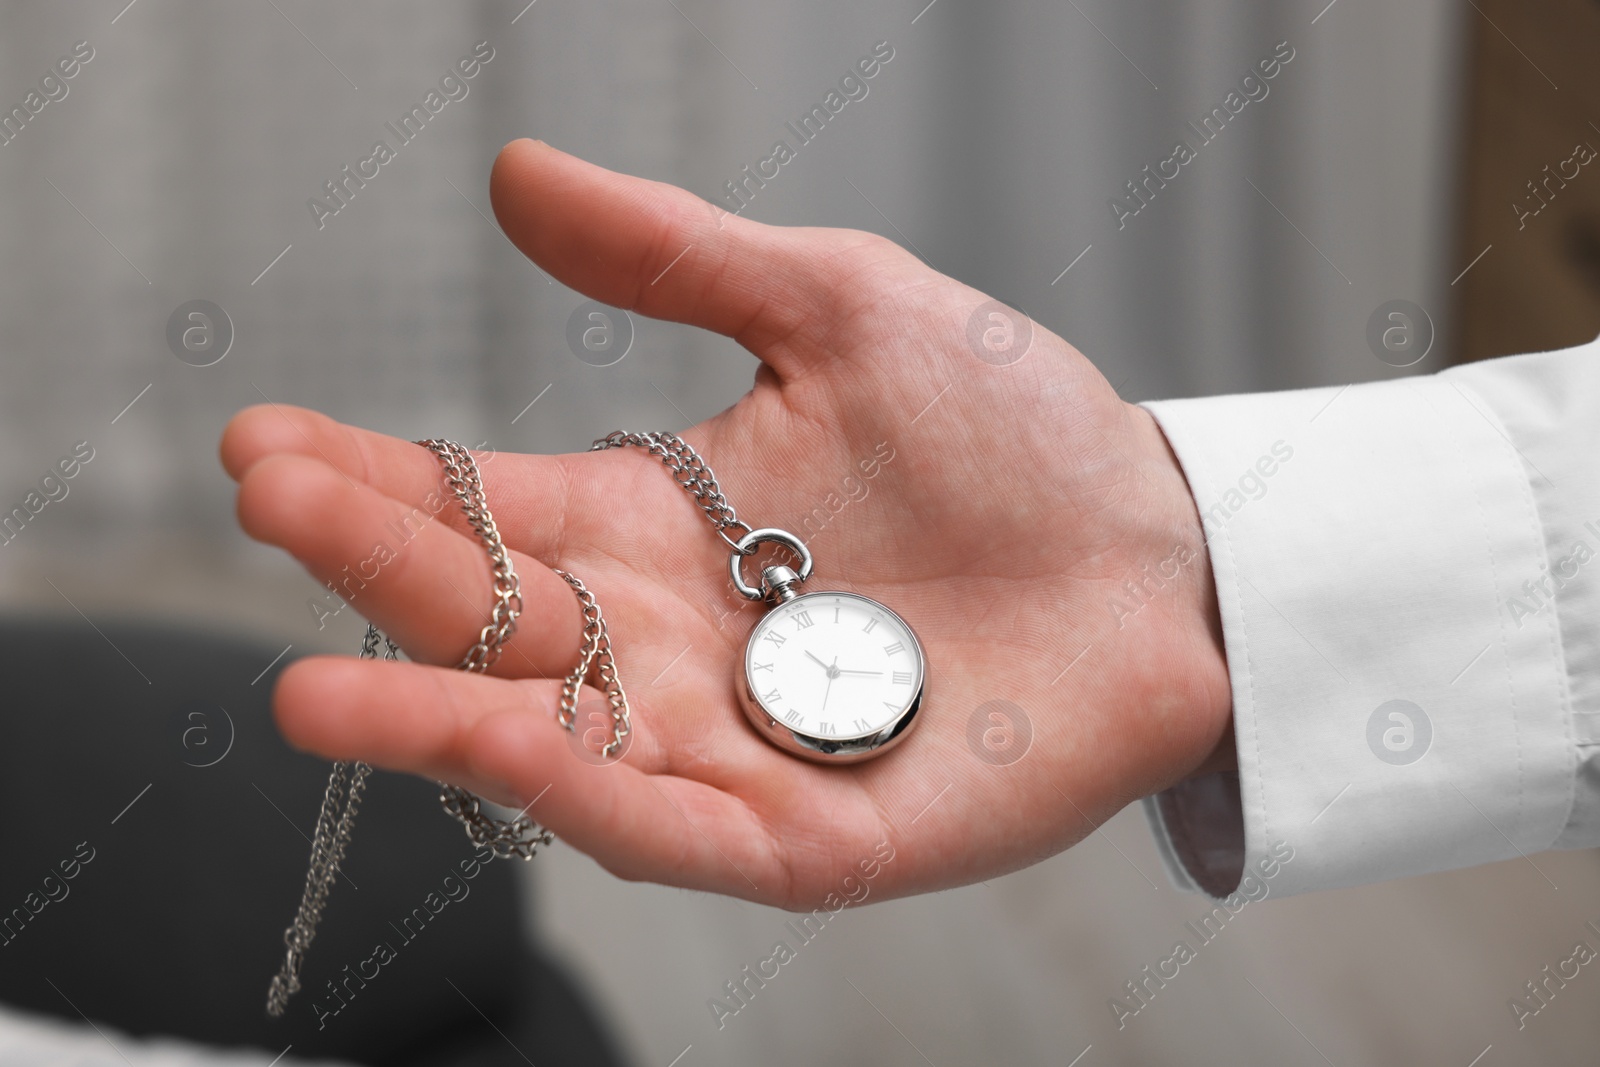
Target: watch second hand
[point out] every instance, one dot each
(833, 672)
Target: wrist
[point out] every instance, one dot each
(1198, 666)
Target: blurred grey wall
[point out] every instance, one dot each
(181, 161)
(179, 166)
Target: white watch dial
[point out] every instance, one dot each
(834, 665)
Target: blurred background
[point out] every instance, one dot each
(1393, 157)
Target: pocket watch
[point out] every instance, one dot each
(833, 677)
(829, 676)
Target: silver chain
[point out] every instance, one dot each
(597, 651)
(334, 822)
(694, 476)
(688, 470)
(461, 474)
(519, 836)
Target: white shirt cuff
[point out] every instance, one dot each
(1395, 713)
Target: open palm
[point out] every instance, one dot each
(998, 505)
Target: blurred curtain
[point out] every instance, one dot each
(181, 163)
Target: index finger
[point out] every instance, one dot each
(405, 471)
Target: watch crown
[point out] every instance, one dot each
(778, 581)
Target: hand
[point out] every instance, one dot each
(1007, 507)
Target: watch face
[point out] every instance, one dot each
(834, 667)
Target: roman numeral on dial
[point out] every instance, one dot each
(867, 629)
(902, 677)
(776, 638)
(894, 648)
(802, 619)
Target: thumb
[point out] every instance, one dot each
(659, 250)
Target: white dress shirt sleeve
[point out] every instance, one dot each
(1409, 579)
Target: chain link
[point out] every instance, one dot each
(521, 836)
(461, 474)
(689, 471)
(334, 822)
(694, 476)
(596, 650)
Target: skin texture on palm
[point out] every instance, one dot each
(1015, 509)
